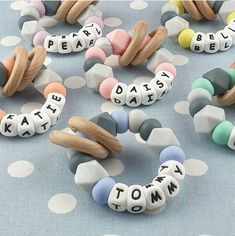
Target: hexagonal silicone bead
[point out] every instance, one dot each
(97, 74)
(30, 28)
(88, 174)
(161, 138)
(226, 8)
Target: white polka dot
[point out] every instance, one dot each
(195, 167)
(139, 139)
(47, 61)
(109, 107)
(155, 211)
(62, 203)
(10, 41)
(20, 169)
(74, 82)
(182, 107)
(19, 5)
(142, 79)
(180, 60)
(112, 60)
(29, 107)
(113, 166)
(112, 22)
(138, 5)
(48, 21)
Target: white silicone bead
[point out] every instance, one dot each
(230, 28)
(51, 43)
(226, 8)
(25, 126)
(30, 11)
(231, 140)
(133, 95)
(212, 43)
(78, 43)
(136, 119)
(118, 197)
(58, 99)
(118, 94)
(41, 120)
(160, 86)
(96, 30)
(9, 125)
(52, 111)
(30, 28)
(148, 93)
(88, 35)
(105, 45)
(136, 201)
(199, 93)
(88, 173)
(225, 40)
(165, 76)
(198, 42)
(169, 7)
(64, 44)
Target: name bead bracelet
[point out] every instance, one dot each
(19, 71)
(96, 140)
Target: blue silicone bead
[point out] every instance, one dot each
(101, 190)
(121, 117)
(172, 153)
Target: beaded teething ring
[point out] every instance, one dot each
(83, 12)
(132, 50)
(17, 73)
(209, 118)
(95, 180)
(178, 28)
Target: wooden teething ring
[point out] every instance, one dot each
(205, 9)
(192, 9)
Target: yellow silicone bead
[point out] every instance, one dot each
(185, 37)
(230, 17)
(180, 6)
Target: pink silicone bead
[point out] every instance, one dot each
(168, 67)
(106, 87)
(95, 19)
(146, 41)
(39, 38)
(120, 39)
(39, 6)
(95, 52)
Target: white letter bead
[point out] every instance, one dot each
(51, 43)
(230, 28)
(97, 31)
(78, 43)
(198, 42)
(154, 195)
(25, 125)
(58, 99)
(89, 37)
(88, 173)
(9, 125)
(64, 44)
(41, 120)
(133, 95)
(212, 43)
(226, 8)
(168, 184)
(118, 197)
(225, 40)
(172, 168)
(52, 111)
(208, 118)
(148, 94)
(30, 11)
(165, 76)
(30, 28)
(160, 86)
(118, 95)
(45, 77)
(136, 201)
(231, 140)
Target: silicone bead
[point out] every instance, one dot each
(105, 45)
(30, 28)
(185, 38)
(3, 75)
(25, 126)
(197, 105)
(39, 6)
(102, 189)
(51, 6)
(217, 6)
(9, 125)
(95, 19)
(121, 118)
(172, 153)
(30, 11)
(167, 16)
(23, 19)
(136, 119)
(39, 38)
(118, 95)
(88, 64)
(54, 87)
(106, 87)
(9, 65)
(179, 4)
(199, 92)
(205, 84)
(147, 127)
(230, 17)
(167, 67)
(170, 7)
(231, 72)
(95, 52)
(221, 132)
(231, 140)
(226, 8)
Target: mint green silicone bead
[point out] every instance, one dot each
(221, 132)
(205, 84)
(231, 72)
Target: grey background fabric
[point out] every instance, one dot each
(205, 205)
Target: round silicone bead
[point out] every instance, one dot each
(205, 84)
(185, 38)
(230, 17)
(147, 127)
(231, 72)
(101, 190)
(3, 75)
(122, 119)
(172, 153)
(9, 65)
(106, 87)
(95, 52)
(95, 19)
(179, 5)
(221, 132)
(166, 66)
(54, 87)
(197, 105)
(39, 6)
(2, 114)
(217, 6)
(51, 7)
(167, 16)
(88, 64)
(24, 19)
(39, 38)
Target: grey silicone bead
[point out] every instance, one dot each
(51, 7)
(43, 67)
(217, 6)
(197, 105)
(88, 64)
(23, 19)
(3, 75)
(219, 79)
(167, 16)
(107, 122)
(147, 127)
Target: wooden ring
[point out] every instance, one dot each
(36, 58)
(192, 10)
(95, 132)
(205, 10)
(20, 55)
(139, 33)
(64, 8)
(158, 36)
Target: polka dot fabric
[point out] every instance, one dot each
(44, 199)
